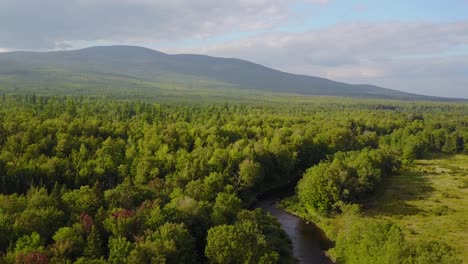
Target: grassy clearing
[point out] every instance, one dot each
(429, 200)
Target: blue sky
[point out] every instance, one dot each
(415, 46)
(374, 11)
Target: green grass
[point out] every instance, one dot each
(429, 200)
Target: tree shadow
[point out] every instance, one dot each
(317, 242)
(394, 195)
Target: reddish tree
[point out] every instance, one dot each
(124, 213)
(86, 222)
(32, 258)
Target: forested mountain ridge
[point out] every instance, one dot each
(106, 69)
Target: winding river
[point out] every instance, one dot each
(309, 241)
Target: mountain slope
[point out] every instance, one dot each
(105, 67)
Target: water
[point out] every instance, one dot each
(308, 240)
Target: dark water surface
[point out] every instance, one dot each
(308, 240)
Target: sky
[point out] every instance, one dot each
(414, 46)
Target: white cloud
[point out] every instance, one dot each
(355, 71)
(392, 54)
(40, 24)
(344, 44)
(321, 2)
(28, 24)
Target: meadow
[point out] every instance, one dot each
(429, 200)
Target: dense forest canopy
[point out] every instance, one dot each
(103, 181)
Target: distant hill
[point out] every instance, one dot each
(102, 70)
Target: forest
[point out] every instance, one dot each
(94, 180)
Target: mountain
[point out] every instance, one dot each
(107, 69)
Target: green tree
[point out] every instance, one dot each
(171, 243)
(121, 222)
(42, 220)
(225, 208)
(93, 248)
(369, 242)
(27, 249)
(243, 243)
(69, 243)
(119, 250)
(82, 200)
(213, 184)
(317, 191)
(250, 173)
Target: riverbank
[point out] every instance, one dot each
(308, 240)
(427, 200)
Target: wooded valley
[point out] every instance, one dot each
(89, 180)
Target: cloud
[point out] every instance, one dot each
(47, 24)
(321, 2)
(360, 8)
(392, 54)
(348, 43)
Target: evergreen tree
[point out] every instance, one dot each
(93, 248)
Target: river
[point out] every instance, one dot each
(309, 241)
